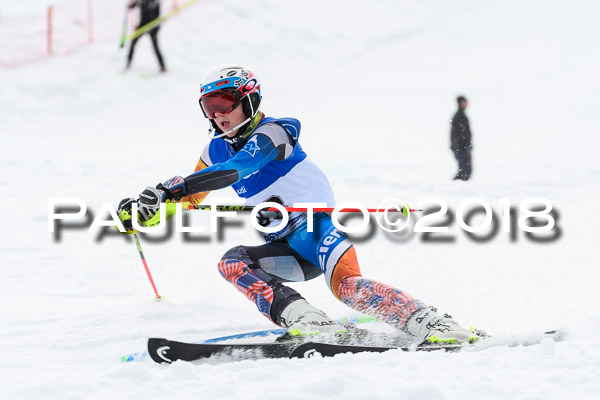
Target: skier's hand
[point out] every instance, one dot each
(151, 198)
(265, 218)
(124, 213)
(149, 203)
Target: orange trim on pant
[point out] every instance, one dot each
(346, 267)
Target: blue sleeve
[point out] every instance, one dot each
(258, 152)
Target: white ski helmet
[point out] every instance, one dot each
(224, 88)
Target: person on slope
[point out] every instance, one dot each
(461, 142)
(149, 11)
(261, 158)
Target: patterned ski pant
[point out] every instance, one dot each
(260, 271)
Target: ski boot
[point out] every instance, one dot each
(431, 328)
(305, 322)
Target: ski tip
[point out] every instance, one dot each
(157, 349)
(557, 334)
(133, 357)
(158, 298)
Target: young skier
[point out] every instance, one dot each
(261, 158)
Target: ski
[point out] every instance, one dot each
(166, 351)
(312, 349)
(140, 356)
(377, 341)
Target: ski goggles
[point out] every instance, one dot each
(222, 101)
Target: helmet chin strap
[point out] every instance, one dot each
(252, 112)
(231, 130)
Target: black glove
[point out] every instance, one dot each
(264, 217)
(124, 213)
(149, 200)
(149, 203)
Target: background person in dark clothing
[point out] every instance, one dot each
(149, 11)
(460, 140)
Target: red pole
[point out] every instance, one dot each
(300, 209)
(90, 22)
(139, 246)
(49, 30)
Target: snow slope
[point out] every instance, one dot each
(374, 85)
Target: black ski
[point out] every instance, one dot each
(311, 349)
(163, 350)
(167, 351)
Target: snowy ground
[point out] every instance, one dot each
(373, 84)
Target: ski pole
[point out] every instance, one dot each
(154, 23)
(124, 28)
(300, 209)
(139, 247)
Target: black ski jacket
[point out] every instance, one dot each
(149, 10)
(460, 132)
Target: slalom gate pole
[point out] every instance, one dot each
(153, 24)
(300, 209)
(139, 247)
(90, 20)
(49, 31)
